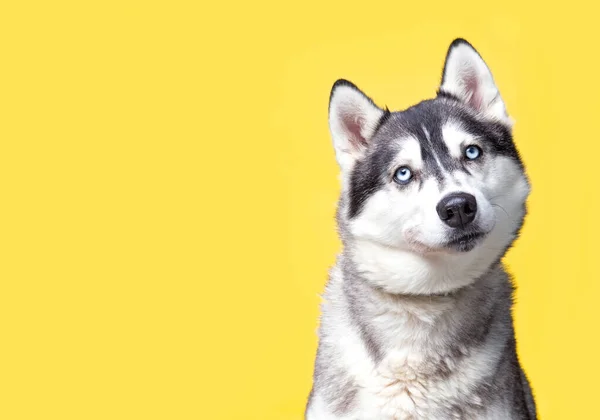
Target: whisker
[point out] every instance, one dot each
(502, 208)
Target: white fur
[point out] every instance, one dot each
(318, 411)
(397, 233)
(456, 138)
(404, 384)
(383, 253)
(409, 154)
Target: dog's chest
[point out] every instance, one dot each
(406, 385)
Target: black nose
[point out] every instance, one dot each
(457, 209)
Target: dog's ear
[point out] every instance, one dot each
(353, 120)
(468, 78)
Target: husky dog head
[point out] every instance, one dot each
(432, 196)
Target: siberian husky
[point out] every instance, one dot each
(416, 321)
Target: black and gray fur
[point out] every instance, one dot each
(423, 331)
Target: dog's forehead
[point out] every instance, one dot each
(423, 122)
(430, 133)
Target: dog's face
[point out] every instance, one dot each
(439, 188)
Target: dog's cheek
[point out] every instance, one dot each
(377, 220)
(505, 181)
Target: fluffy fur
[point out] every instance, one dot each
(417, 322)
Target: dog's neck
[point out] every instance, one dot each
(402, 272)
(423, 322)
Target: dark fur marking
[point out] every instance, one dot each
(363, 329)
(335, 386)
(443, 94)
(384, 117)
(346, 398)
(364, 182)
(367, 177)
(528, 396)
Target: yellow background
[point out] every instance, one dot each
(168, 186)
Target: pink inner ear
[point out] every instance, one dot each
(353, 125)
(475, 99)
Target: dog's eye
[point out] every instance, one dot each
(472, 152)
(402, 175)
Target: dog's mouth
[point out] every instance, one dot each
(465, 242)
(458, 242)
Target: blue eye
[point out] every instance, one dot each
(402, 175)
(472, 152)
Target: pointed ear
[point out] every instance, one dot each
(468, 78)
(353, 120)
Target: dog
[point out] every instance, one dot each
(416, 321)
